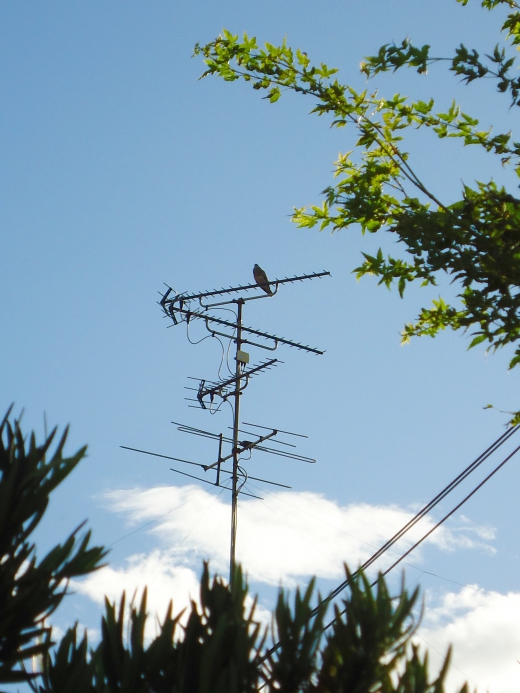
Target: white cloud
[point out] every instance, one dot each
(483, 628)
(165, 583)
(291, 536)
(286, 537)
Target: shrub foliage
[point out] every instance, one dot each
(219, 646)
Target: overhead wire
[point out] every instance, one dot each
(476, 463)
(436, 526)
(459, 505)
(442, 577)
(429, 506)
(215, 498)
(362, 541)
(151, 522)
(408, 525)
(416, 635)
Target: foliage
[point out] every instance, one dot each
(475, 241)
(29, 590)
(220, 649)
(218, 652)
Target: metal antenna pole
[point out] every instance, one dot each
(236, 423)
(186, 307)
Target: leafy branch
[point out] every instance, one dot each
(475, 241)
(466, 63)
(30, 591)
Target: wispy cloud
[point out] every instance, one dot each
(284, 538)
(291, 536)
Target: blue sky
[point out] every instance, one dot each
(121, 171)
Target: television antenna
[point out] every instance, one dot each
(187, 307)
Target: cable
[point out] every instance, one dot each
(188, 335)
(425, 536)
(429, 506)
(151, 522)
(492, 448)
(230, 310)
(416, 635)
(224, 488)
(227, 356)
(212, 334)
(215, 411)
(222, 357)
(461, 584)
(338, 529)
(488, 477)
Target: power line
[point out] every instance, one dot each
(362, 541)
(447, 489)
(425, 536)
(165, 563)
(429, 506)
(479, 486)
(294, 528)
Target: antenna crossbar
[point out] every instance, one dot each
(189, 314)
(156, 454)
(234, 289)
(192, 476)
(218, 388)
(298, 435)
(244, 446)
(204, 467)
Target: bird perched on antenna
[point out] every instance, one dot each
(261, 279)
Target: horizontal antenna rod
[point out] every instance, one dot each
(202, 466)
(269, 428)
(252, 433)
(246, 445)
(265, 481)
(205, 391)
(211, 484)
(166, 457)
(184, 428)
(234, 289)
(209, 318)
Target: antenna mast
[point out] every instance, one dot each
(185, 308)
(236, 424)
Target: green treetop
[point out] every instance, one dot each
(475, 240)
